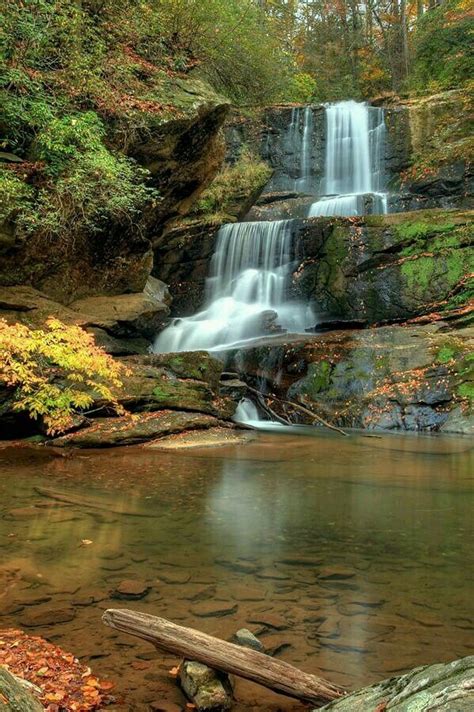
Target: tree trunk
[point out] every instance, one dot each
(227, 657)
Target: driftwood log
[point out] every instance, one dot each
(226, 657)
(16, 694)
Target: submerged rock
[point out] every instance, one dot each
(247, 639)
(131, 590)
(444, 687)
(206, 688)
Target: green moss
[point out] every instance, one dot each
(319, 377)
(233, 186)
(420, 229)
(454, 267)
(418, 273)
(445, 354)
(466, 390)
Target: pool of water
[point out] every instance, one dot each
(349, 557)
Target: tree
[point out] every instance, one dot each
(56, 372)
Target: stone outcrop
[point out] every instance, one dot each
(369, 269)
(385, 268)
(397, 378)
(444, 687)
(420, 129)
(183, 261)
(121, 324)
(414, 132)
(133, 430)
(182, 148)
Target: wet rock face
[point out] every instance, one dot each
(445, 687)
(283, 153)
(413, 128)
(417, 378)
(182, 260)
(384, 268)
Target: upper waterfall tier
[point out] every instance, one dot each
(355, 138)
(246, 292)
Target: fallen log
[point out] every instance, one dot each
(226, 657)
(16, 695)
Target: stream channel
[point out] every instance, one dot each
(349, 557)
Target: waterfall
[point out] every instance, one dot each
(247, 412)
(303, 183)
(246, 293)
(355, 136)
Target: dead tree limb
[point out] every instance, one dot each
(226, 657)
(297, 406)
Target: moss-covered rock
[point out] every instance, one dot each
(182, 381)
(446, 687)
(397, 377)
(111, 432)
(386, 268)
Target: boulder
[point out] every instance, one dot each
(131, 430)
(128, 315)
(182, 381)
(206, 688)
(119, 322)
(416, 377)
(444, 687)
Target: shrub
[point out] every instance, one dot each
(55, 372)
(302, 88)
(14, 194)
(235, 181)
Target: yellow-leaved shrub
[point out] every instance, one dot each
(56, 372)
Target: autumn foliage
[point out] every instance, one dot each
(64, 682)
(55, 372)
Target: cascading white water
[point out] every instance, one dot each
(246, 294)
(355, 135)
(247, 291)
(247, 412)
(303, 184)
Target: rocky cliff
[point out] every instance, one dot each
(181, 148)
